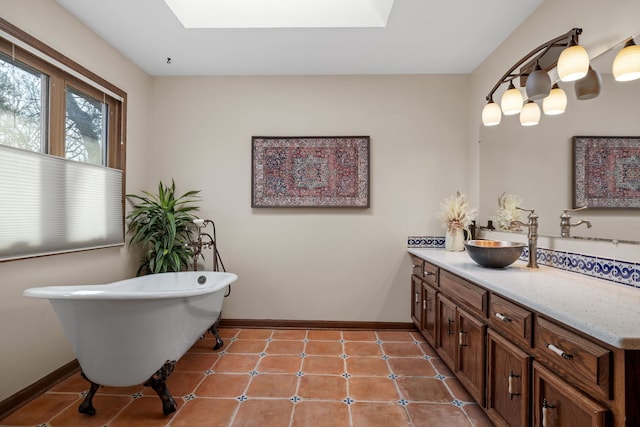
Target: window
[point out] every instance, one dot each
(61, 152)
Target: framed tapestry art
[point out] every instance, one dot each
(606, 172)
(323, 171)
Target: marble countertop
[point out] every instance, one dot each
(605, 310)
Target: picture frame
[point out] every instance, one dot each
(310, 171)
(606, 172)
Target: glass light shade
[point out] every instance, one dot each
(626, 65)
(491, 114)
(530, 114)
(511, 101)
(556, 102)
(589, 86)
(538, 84)
(573, 63)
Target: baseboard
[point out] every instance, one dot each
(314, 324)
(26, 395)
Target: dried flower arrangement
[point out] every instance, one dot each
(507, 211)
(455, 213)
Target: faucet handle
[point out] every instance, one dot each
(526, 210)
(576, 209)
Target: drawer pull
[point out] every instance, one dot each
(511, 385)
(546, 413)
(503, 317)
(449, 331)
(417, 297)
(461, 338)
(428, 273)
(559, 352)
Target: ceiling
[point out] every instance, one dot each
(421, 37)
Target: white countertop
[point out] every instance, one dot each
(605, 310)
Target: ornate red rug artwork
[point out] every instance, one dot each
(310, 171)
(607, 172)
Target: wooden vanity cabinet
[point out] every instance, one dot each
(416, 299)
(470, 366)
(424, 282)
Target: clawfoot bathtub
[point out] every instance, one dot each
(133, 331)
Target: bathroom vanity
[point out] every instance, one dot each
(540, 347)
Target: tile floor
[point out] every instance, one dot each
(266, 377)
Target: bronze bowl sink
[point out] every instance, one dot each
(494, 253)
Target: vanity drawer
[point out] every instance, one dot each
(466, 293)
(511, 319)
(425, 270)
(572, 356)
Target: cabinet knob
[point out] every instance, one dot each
(502, 317)
(560, 352)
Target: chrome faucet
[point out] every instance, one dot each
(532, 225)
(565, 222)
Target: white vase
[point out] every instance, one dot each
(454, 240)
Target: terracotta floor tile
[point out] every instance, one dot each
(440, 367)
(180, 384)
(121, 391)
(196, 362)
(367, 366)
(327, 348)
(359, 335)
(254, 334)
(144, 412)
(322, 387)
(223, 385)
(388, 336)
(435, 415)
(279, 364)
(411, 366)
(458, 391)
(289, 334)
(42, 409)
(362, 349)
(272, 385)
(228, 332)
(264, 413)
(423, 389)
(477, 416)
(428, 350)
(202, 412)
(106, 407)
(205, 345)
(372, 388)
(324, 335)
(246, 346)
(366, 414)
(285, 347)
(236, 363)
(401, 349)
(74, 384)
(320, 414)
(328, 365)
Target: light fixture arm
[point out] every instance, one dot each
(563, 40)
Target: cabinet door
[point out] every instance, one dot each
(558, 404)
(507, 382)
(429, 314)
(471, 353)
(416, 301)
(447, 337)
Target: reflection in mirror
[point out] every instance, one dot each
(535, 163)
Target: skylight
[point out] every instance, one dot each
(281, 13)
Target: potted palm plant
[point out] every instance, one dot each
(162, 224)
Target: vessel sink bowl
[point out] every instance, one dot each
(494, 253)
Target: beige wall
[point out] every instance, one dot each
(315, 264)
(33, 344)
(535, 163)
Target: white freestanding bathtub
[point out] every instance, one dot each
(124, 333)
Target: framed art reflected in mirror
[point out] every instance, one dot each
(606, 172)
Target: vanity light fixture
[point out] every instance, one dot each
(626, 65)
(530, 114)
(531, 71)
(556, 102)
(589, 86)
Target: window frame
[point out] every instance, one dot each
(62, 72)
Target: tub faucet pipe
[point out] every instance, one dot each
(532, 235)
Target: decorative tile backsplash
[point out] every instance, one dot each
(622, 272)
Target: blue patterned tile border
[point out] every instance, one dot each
(426, 242)
(622, 272)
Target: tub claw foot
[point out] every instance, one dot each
(158, 383)
(86, 407)
(214, 330)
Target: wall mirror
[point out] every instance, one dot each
(535, 163)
